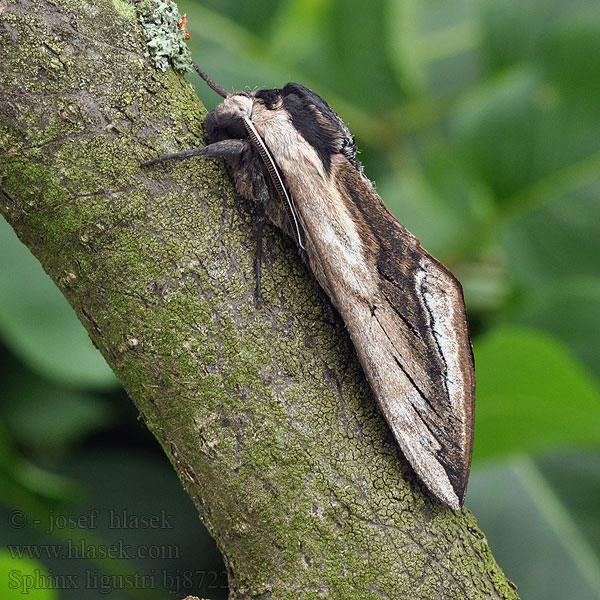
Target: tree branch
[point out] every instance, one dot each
(263, 411)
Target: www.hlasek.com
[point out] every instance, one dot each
(82, 549)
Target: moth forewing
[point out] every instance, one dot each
(412, 340)
(404, 311)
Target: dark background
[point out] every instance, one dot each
(480, 124)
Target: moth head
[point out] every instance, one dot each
(294, 106)
(226, 121)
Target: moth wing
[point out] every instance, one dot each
(412, 337)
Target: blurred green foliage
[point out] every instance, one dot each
(480, 123)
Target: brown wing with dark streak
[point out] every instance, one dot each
(416, 349)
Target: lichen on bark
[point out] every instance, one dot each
(165, 34)
(263, 410)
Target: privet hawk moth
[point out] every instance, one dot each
(293, 155)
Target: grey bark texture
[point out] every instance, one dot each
(263, 410)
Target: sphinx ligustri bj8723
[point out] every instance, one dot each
(292, 154)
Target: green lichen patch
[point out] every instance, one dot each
(124, 9)
(39, 191)
(165, 39)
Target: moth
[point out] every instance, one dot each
(293, 155)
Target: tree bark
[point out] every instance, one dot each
(263, 410)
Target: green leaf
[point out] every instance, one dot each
(38, 324)
(527, 139)
(497, 129)
(44, 416)
(24, 578)
(22, 481)
(575, 478)
(296, 32)
(557, 241)
(541, 531)
(514, 29)
(440, 42)
(570, 309)
(402, 30)
(531, 394)
(367, 80)
(575, 40)
(256, 16)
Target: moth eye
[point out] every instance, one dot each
(221, 126)
(236, 130)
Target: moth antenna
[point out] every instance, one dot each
(213, 85)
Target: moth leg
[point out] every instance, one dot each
(222, 149)
(232, 148)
